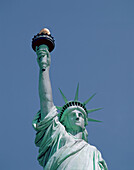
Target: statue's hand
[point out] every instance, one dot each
(43, 57)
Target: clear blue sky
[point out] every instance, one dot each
(95, 47)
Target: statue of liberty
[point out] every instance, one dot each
(62, 136)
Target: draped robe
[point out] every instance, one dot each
(59, 150)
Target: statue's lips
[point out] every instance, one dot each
(77, 121)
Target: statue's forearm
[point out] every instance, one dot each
(45, 92)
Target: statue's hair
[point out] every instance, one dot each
(85, 135)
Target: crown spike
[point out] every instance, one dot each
(93, 120)
(89, 99)
(77, 92)
(65, 99)
(93, 110)
(59, 107)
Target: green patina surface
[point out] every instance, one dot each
(59, 149)
(62, 137)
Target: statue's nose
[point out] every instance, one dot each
(77, 118)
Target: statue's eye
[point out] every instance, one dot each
(73, 114)
(80, 115)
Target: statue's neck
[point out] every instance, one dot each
(77, 134)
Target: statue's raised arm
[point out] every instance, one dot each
(45, 91)
(43, 44)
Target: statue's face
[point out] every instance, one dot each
(74, 119)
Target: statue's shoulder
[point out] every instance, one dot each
(93, 148)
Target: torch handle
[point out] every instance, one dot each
(43, 47)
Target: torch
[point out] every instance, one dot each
(43, 38)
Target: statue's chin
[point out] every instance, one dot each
(79, 125)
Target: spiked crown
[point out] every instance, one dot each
(75, 102)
